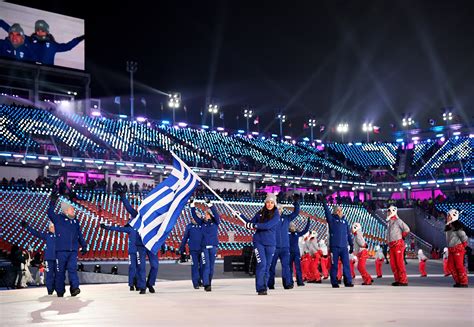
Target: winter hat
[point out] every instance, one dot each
(391, 211)
(271, 197)
(454, 215)
(16, 28)
(65, 207)
(356, 227)
(42, 25)
(445, 250)
(420, 252)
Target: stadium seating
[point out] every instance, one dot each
(457, 149)
(377, 154)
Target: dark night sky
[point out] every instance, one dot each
(331, 60)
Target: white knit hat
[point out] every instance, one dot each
(454, 215)
(65, 207)
(271, 197)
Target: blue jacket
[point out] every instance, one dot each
(294, 247)
(265, 233)
(282, 240)
(23, 52)
(339, 230)
(49, 238)
(129, 207)
(209, 229)
(193, 234)
(68, 231)
(134, 239)
(45, 50)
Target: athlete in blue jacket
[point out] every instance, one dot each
(49, 253)
(282, 250)
(340, 237)
(210, 242)
(193, 236)
(152, 258)
(15, 46)
(68, 237)
(265, 223)
(136, 256)
(295, 258)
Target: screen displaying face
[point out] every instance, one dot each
(33, 35)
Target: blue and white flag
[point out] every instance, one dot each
(158, 212)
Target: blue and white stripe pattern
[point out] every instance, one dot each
(161, 208)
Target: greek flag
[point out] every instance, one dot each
(158, 212)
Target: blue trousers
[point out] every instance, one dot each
(50, 270)
(137, 268)
(208, 257)
(66, 260)
(296, 260)
(153, 273)
(284, 255)
(343, 253)
(264, 255)
(196, 268)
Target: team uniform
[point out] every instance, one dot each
(456, 239)
(360, 250)
(295, 259)
(379, 259)
(193, 236)
(422, 263)
(397, 230)
(339, 238)
(282, 250)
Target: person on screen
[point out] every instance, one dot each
(42, 44)
(45, 46)
(14, 46)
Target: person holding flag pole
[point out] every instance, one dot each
(265, 223)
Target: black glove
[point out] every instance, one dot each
(54, 196)
(23, 224)
(191, 202)
(250, 226)
(84, 251)
(351, 249)
(468, 248)
(208, 202)
(296, 197)
(102, 225)
(119, 192)
(309, 220)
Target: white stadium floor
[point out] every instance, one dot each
(233, 302)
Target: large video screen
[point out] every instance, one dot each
(33, 35)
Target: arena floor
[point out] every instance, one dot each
(233, 302)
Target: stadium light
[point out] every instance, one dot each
(248, 114)
(174, 102)
(447, 116)
(342, 129)
(368, 128)
(132, 67)
(282, 119)
(312, 125)
(213, 109)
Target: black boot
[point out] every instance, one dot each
(60, 294)
(132, 288)
(151, 289)
(208, 288)
(75, 291)
(335, 286)
(143, 291)
(262, 292)
(395, 284)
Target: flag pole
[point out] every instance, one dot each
(205, 184)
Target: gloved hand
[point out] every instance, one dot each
(191, 202)
(102, 225)
(236, 214)
(119, 192)
(351, 249)
(309, 220)
(207, 202)
(23, 224)
(468, 248)
(54, 196)
(250, 226)
(84, 251)
(296, 197)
